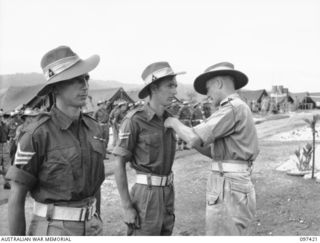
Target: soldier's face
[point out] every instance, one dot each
(74, 92)
(213, 90)
(166, 91)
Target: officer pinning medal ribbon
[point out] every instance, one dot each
(149, 118)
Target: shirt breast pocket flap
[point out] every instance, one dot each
(153, 140)
(98, 146)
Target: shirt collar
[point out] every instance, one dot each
(62, 120)
(151, 113)
(229, 98)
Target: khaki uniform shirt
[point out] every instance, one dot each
(60, 160)
(231, 130)
(146, 143)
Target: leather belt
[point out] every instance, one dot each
(232, 166)
(154, 180)
(51, 211)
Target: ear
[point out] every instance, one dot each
(55, 90)
(219, 83)
(153, 88)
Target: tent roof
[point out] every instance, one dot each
(113, 94)
(17, 96)
(252, 94)
(298, 97)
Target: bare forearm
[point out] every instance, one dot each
(185, 133)
(203, 150)
(122, 182)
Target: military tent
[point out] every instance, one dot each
(15, 97)
(113, 95)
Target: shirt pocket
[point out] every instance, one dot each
(152, 146)
(97, 155)
(61, 168)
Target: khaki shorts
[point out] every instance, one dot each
(231, 203)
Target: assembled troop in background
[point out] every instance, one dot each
(197, 115)
(190, 115)
(116, 117)
(11, 126)
(184, 115)
(4, 137)
(102, 115)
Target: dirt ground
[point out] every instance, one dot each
(286, 205)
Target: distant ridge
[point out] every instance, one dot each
(30, 79)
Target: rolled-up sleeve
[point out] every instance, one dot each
(219, 124)
(126, 142)
(26, 161)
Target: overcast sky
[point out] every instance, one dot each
(273, 42)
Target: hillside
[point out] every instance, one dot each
(30, 79)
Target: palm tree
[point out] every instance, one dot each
(312, 123)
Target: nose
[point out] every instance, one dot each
(85, 84)
(174, 91)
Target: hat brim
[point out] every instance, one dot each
(145, 91)
(80, 68)
(240, 79)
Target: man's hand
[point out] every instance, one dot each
(169, 122)
(184, 132)
(131, 218)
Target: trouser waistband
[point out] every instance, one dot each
(53, 212)
(154, 180)
(231, 166)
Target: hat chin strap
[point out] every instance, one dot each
(59, 66)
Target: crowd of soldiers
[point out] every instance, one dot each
(111, 115)
(11, 128)
(190, 115)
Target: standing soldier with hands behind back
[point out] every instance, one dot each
(102, 116)
(59, 157)
(150, 147)
(229, 137)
